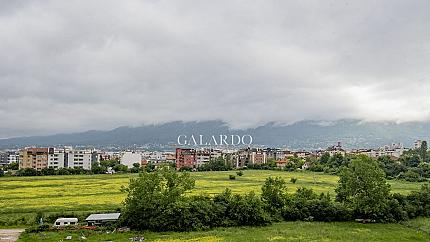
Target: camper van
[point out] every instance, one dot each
(61, 222)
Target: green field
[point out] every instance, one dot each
(285, 231)
(22, 197)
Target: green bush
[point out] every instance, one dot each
(232, 177)
(37, 228)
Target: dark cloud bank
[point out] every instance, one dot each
(69, 66)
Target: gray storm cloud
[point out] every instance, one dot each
(78, 65)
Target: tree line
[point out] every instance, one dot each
(161, 201)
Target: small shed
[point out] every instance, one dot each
(61, 222)
(102, 218)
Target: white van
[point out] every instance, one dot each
(61, 222)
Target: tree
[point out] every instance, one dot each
(13, 166)
(337, 160)
(150, 167)
(97, 169)
(120, 168)
(217, 164)
(48, 171)
(390, 167)
(135, 168)
(325, 158)
(410, 159)
(422, 151)
(363, 187)
(151, 194)
(109, 163)
(271, 162)
(27, 172)
(274, 194)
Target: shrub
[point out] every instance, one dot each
(412, 176)
(37, 228)
(308, 206)
(247, 209)
(418, 202)
(232, 177)
(293, 180)
(239, 173)
(185, 168)
(192, 213)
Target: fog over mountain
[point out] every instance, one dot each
(300, 135)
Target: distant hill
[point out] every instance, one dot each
(300, 135)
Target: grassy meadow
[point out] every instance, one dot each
(22, 197)
(285, 231)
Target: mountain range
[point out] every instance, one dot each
(299, 135)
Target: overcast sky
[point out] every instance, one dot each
(77, 65)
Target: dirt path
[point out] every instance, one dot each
(10, 235)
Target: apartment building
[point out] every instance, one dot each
(67, 157)
(393, 150)
(186, 158)
(80, 158)
(3, 158)
(36, 158)
(7, 157)
(12, 157)
(241, 157)
(56, 158)
(418, 143)
(128, 158)
(275, 153)
(203, 156)
(336, 149)
(258, 156)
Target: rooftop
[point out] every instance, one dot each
(103, 216)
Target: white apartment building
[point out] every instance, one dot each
(128, 158)
(205, 155)
(8, 157)
(81, 159)
(418, 143)
(67, 157)
(56, 158)
(154, 156)
(13, 157)
(394, 150)
(202, 157)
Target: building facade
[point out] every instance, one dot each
(128, 158)
(3, 158)
(36, 158)
(186, 158)
(67, 157)
(258, 156)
